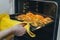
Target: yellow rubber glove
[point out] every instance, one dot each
(6, 22)
(27, 27)
(3, 15)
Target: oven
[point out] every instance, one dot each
(44, 8)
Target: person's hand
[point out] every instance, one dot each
(19, 30)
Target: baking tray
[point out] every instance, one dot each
(32, 28)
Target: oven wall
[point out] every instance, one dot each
(11, 7)
(4, 6)
(7, 6)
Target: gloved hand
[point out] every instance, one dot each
(19, 30)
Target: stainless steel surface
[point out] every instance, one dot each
(58, 36)
(11, 6)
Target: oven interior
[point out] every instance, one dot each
(38, 7)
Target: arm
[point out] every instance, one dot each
(5, 33)
(18, 30)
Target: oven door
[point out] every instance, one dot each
(48, 8)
